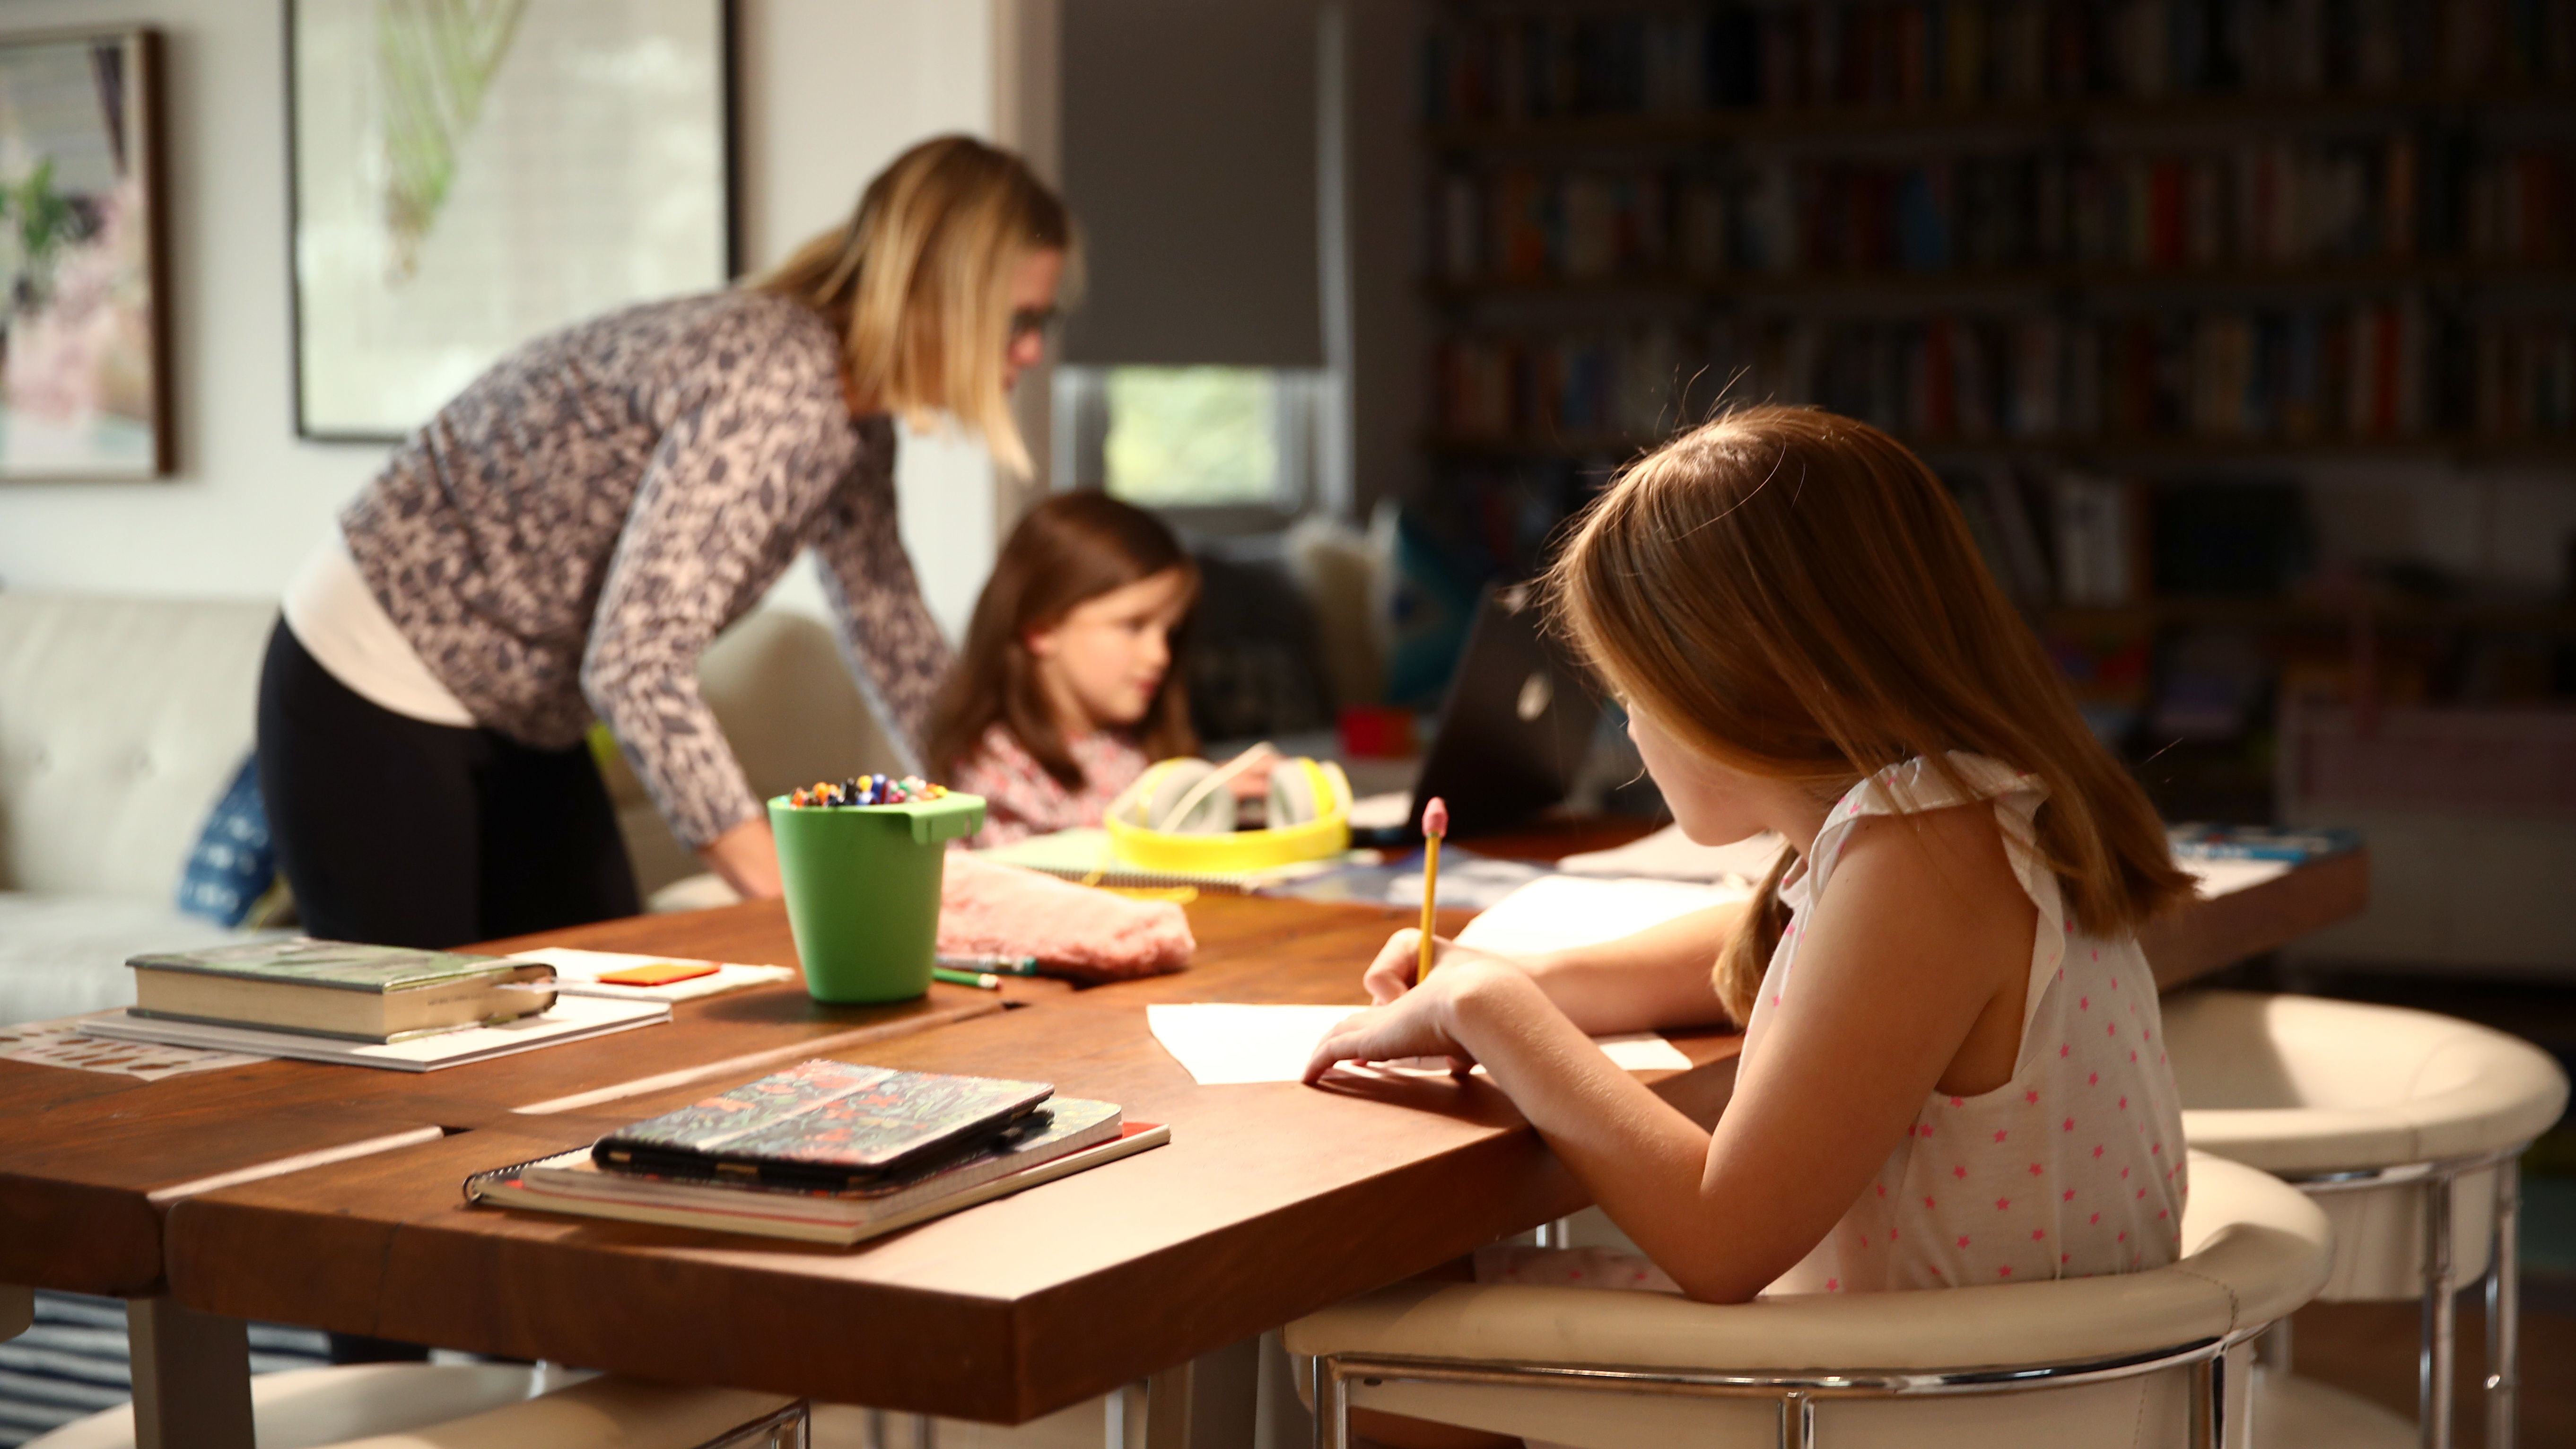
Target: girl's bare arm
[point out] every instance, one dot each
(1657, 977)
(1928, 945)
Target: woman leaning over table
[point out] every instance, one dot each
(561, 542)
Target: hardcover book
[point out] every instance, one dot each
(822, 1124)
(338, 989)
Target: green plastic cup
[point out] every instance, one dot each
(863, 891)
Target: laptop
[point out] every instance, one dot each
(1514, 728)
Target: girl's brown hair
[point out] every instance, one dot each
(1795, 595)
(918, 282)
(1070, 548)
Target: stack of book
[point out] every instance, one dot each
(827, 1152)
(381, 1006)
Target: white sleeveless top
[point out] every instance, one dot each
(2071, 1169)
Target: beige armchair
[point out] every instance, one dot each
(781, 689)
(2158, 1357)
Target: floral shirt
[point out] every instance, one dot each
(561, 542)
(1021, 799)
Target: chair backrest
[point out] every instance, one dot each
(2076, 1362)
(121, 722)
(2300, 1083)
(2254, 1249)
(781, 690)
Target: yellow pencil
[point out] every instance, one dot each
(1435, 824)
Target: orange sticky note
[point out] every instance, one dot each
(658, 973)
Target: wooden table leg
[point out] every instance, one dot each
(191, 1377)
(1152, 1413)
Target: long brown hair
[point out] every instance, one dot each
(1795, 595)
(1070, 548)
(918, 282)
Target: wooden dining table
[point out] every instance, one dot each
(315, 1194)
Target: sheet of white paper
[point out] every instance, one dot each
(60, 1043)
(1224, 1044)
(2218, 877)
(577, 972)
(571, 1018)
(1558, 911)
(1670, 855)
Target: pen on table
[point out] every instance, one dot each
(996, 965)
(984, 979)
(1435, 824)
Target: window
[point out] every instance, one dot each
(1240, 446)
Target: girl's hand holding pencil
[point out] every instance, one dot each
(1416, 1023)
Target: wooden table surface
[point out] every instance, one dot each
(1271, 1200)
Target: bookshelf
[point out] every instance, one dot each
(2052, 244)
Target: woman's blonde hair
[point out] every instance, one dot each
(918, 282)
(1795, 595)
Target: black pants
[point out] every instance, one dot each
(401, 833)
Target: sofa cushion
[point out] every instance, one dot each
(121, 722)
(61, 955)
(234, 865)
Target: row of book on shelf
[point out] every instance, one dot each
(2280, 203)
(2389, 369)
(1535, 63)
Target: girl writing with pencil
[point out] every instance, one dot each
(1952, 1070)
(1066, 688)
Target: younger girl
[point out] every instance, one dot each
(1066, 688)
(1952, 1070)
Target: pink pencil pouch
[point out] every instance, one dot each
(1075, 931)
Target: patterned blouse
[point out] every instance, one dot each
(562, 541)
(1021, 799)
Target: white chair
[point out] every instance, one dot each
(2156, 1357)
(2407, 1128)
(480, 1406)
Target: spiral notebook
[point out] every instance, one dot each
(1066, 1136)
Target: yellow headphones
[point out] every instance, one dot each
(1179, 816)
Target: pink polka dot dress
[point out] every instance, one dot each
(2071, 1169)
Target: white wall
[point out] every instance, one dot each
(829, 90)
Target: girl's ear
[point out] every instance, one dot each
(1041, 642)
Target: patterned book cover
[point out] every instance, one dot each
(1061, 1125)
(822, 1120)
(339, 965)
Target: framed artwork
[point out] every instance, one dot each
(468, 174)
(84, 353)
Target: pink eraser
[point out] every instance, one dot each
(1435, 817)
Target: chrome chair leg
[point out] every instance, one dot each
(2437, 1360)
(2273, 1349)
(1332, 1406)
(2209, 1390)
(1798, 1421)
(2504, 1308)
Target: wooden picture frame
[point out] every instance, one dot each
(85, 377)
(465, 175)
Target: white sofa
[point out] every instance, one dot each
(122, 720)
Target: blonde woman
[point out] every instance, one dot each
(559, 543)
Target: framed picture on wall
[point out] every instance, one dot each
(468, 174)
(84, 352)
